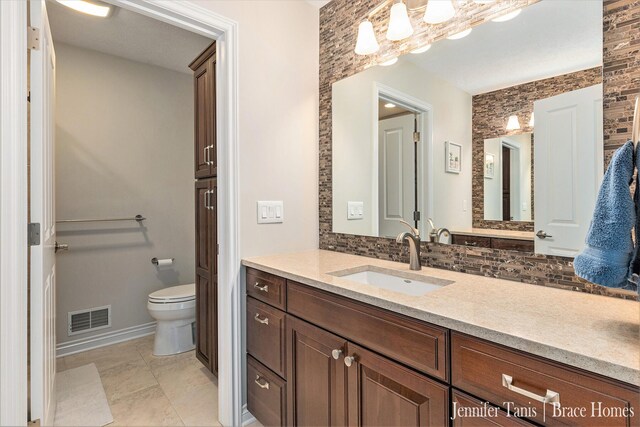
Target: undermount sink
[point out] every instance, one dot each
(398, 281)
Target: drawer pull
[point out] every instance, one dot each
(261, 382)
(348, 361)
(264, 321)
(551, 396)
(263, 288)
(471, 243)
(336, 353)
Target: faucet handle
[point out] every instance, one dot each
(413, 230)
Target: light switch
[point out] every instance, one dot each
(270, 212)
(355, 210)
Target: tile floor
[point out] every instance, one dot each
(145, 390)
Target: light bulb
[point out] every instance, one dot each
(389, 62)
(513, 123)
(367, 43)
(509, 16)
(399, 23)
(460, 35)
(439, 11)
(421, 49)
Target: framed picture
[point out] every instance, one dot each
(453, 157)
(489, 165)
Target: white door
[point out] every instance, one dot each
(43, 268)
(568, 162)
(396, 185)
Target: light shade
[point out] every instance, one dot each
(421, 49)
(90, 8)
(483, 1)
(460, 35)
(367, 43)
(513, 123)
(532, 121)
(389, 62)
(439, 11)
(509, 16)
(399, 23)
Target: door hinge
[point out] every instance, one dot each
(33, 38)
(29, 96)
(34, 423)
(416, 137)
(33, 233)
(416, 216)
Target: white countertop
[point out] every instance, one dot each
(596, 333)
(502, 234)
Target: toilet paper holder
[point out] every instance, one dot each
(155, 261)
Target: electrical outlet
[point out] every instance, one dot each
(355, 210)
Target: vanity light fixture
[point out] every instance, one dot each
(461, 34)
(88, 7)
(531, 121)
(367, 43)
(513, 123)
(389, 62)
(509, 16)
(389, 105)
(399, 24)
(421, 49)
(439, 11)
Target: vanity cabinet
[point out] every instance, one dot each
(321, 359)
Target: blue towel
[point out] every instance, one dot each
(634, 267)
(609, 246)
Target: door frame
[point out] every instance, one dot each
(13, 206)
(13, 213)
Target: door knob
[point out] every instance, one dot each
(543, 234)
(61, 247)
(336, 354)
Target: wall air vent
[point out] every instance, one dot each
(83, 321)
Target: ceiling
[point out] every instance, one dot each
(547, 39)
(128, 35)
(386, 112)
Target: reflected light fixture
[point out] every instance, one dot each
(399, 24)
(367, 43)
(513, 123)
(88, 7)
(439, 11)
(389, 62)
(421, 49)
(509, 16)
(460, 35)
(531, 121)
(390, 105)
(483, 1)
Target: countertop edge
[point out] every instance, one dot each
(590, 364)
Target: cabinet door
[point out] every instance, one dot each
(316, 380)
(205, 117)
(206, 274)
(384, 393)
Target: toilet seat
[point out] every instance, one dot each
(174, 294)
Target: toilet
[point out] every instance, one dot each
(174, 309)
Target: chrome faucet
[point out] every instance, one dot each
(413, 237)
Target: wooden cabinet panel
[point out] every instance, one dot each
(316, 380)
(416, 344)
(266, 335)
(206, 273)
(266, 394)
(512, 244)
(477, 241)
(204, 68)
(470, 412)
(384, 393)
(267, 288)
(480, 367)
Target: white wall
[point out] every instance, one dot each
(124, 146)
(278, 114)
(353, 153)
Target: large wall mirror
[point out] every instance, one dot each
(496, 135)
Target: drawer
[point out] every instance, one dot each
(267, 288)
(512, 244)
(266, 394)
(477, 241)
(414, 343)
(266, 335)
(513, 379)
(470, 412)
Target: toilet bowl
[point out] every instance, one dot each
(174, 309)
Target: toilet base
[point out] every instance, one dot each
(174, 336)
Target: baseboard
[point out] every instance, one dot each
(102, 340)
(247, 418)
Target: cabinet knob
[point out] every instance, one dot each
(336, 353)
(348, 361)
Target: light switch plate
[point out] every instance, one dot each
(355, 210)
(270, 212)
